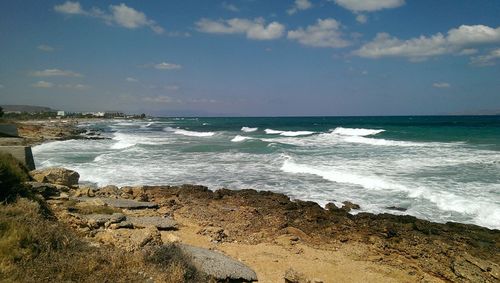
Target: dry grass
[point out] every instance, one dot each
(34, 248)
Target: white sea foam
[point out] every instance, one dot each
(339, 176)
(123, 141)
(248, 129)
(272, 132)
(356, 131)
(189, 133)
(288, 133)
(296, 133)
(193, 134)
(382, 142)
(239, 138)
(484, 211)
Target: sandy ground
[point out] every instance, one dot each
(344, 263)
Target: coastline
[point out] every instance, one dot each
(271, 232)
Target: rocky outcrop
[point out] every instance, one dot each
(161, 223)
(217, 265)
(121, 203)
(59, 176)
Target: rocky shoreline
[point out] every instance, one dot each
(39, 131)
(281, 239)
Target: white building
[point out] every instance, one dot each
(61, 113)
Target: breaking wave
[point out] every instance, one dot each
(239, 138)
(189, 133)
(248, 129)
(288, 133)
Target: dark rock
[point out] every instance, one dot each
(348, 206)
(161, 223)
(45, 189)
(123, 203)
(396, 208)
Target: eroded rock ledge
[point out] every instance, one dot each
(450, 252)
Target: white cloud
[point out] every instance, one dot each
(486, 60)
(46, 48)
(369, 5)
(167, 66)
(360, 18)
(456, 41)
(441, 85)
(69, 7)
(253, 29)
(56, 73)
(131, 80)
(43, 84)
(299, 5)
(121, 15)
(325, 33)
(230, 7)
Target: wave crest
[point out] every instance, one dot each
(288, 133)
(189, 133)
(248, 129)
(360, 132)
(239, 138)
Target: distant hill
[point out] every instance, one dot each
(26, 108)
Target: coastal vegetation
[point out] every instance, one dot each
(35, 247)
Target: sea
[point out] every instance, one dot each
(438, 168)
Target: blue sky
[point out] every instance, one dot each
(252, 58)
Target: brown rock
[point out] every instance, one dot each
(60, 176)
(85, 192)
(348, 206)
(293, 276)
(147, 236)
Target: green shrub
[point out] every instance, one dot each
(12, 174)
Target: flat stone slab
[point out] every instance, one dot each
(121, 203)
(162, 223)
(220, 266)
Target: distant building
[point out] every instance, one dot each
(61, 113)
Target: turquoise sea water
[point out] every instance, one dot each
(444, 168)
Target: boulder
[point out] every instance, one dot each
(161, 223)
(217, 265)
(149, 236)
(348, 206)
(60, 176)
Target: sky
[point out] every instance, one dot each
(252, 57)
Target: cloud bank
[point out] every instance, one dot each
(252, 29)
(120, 15)
(456, 41)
